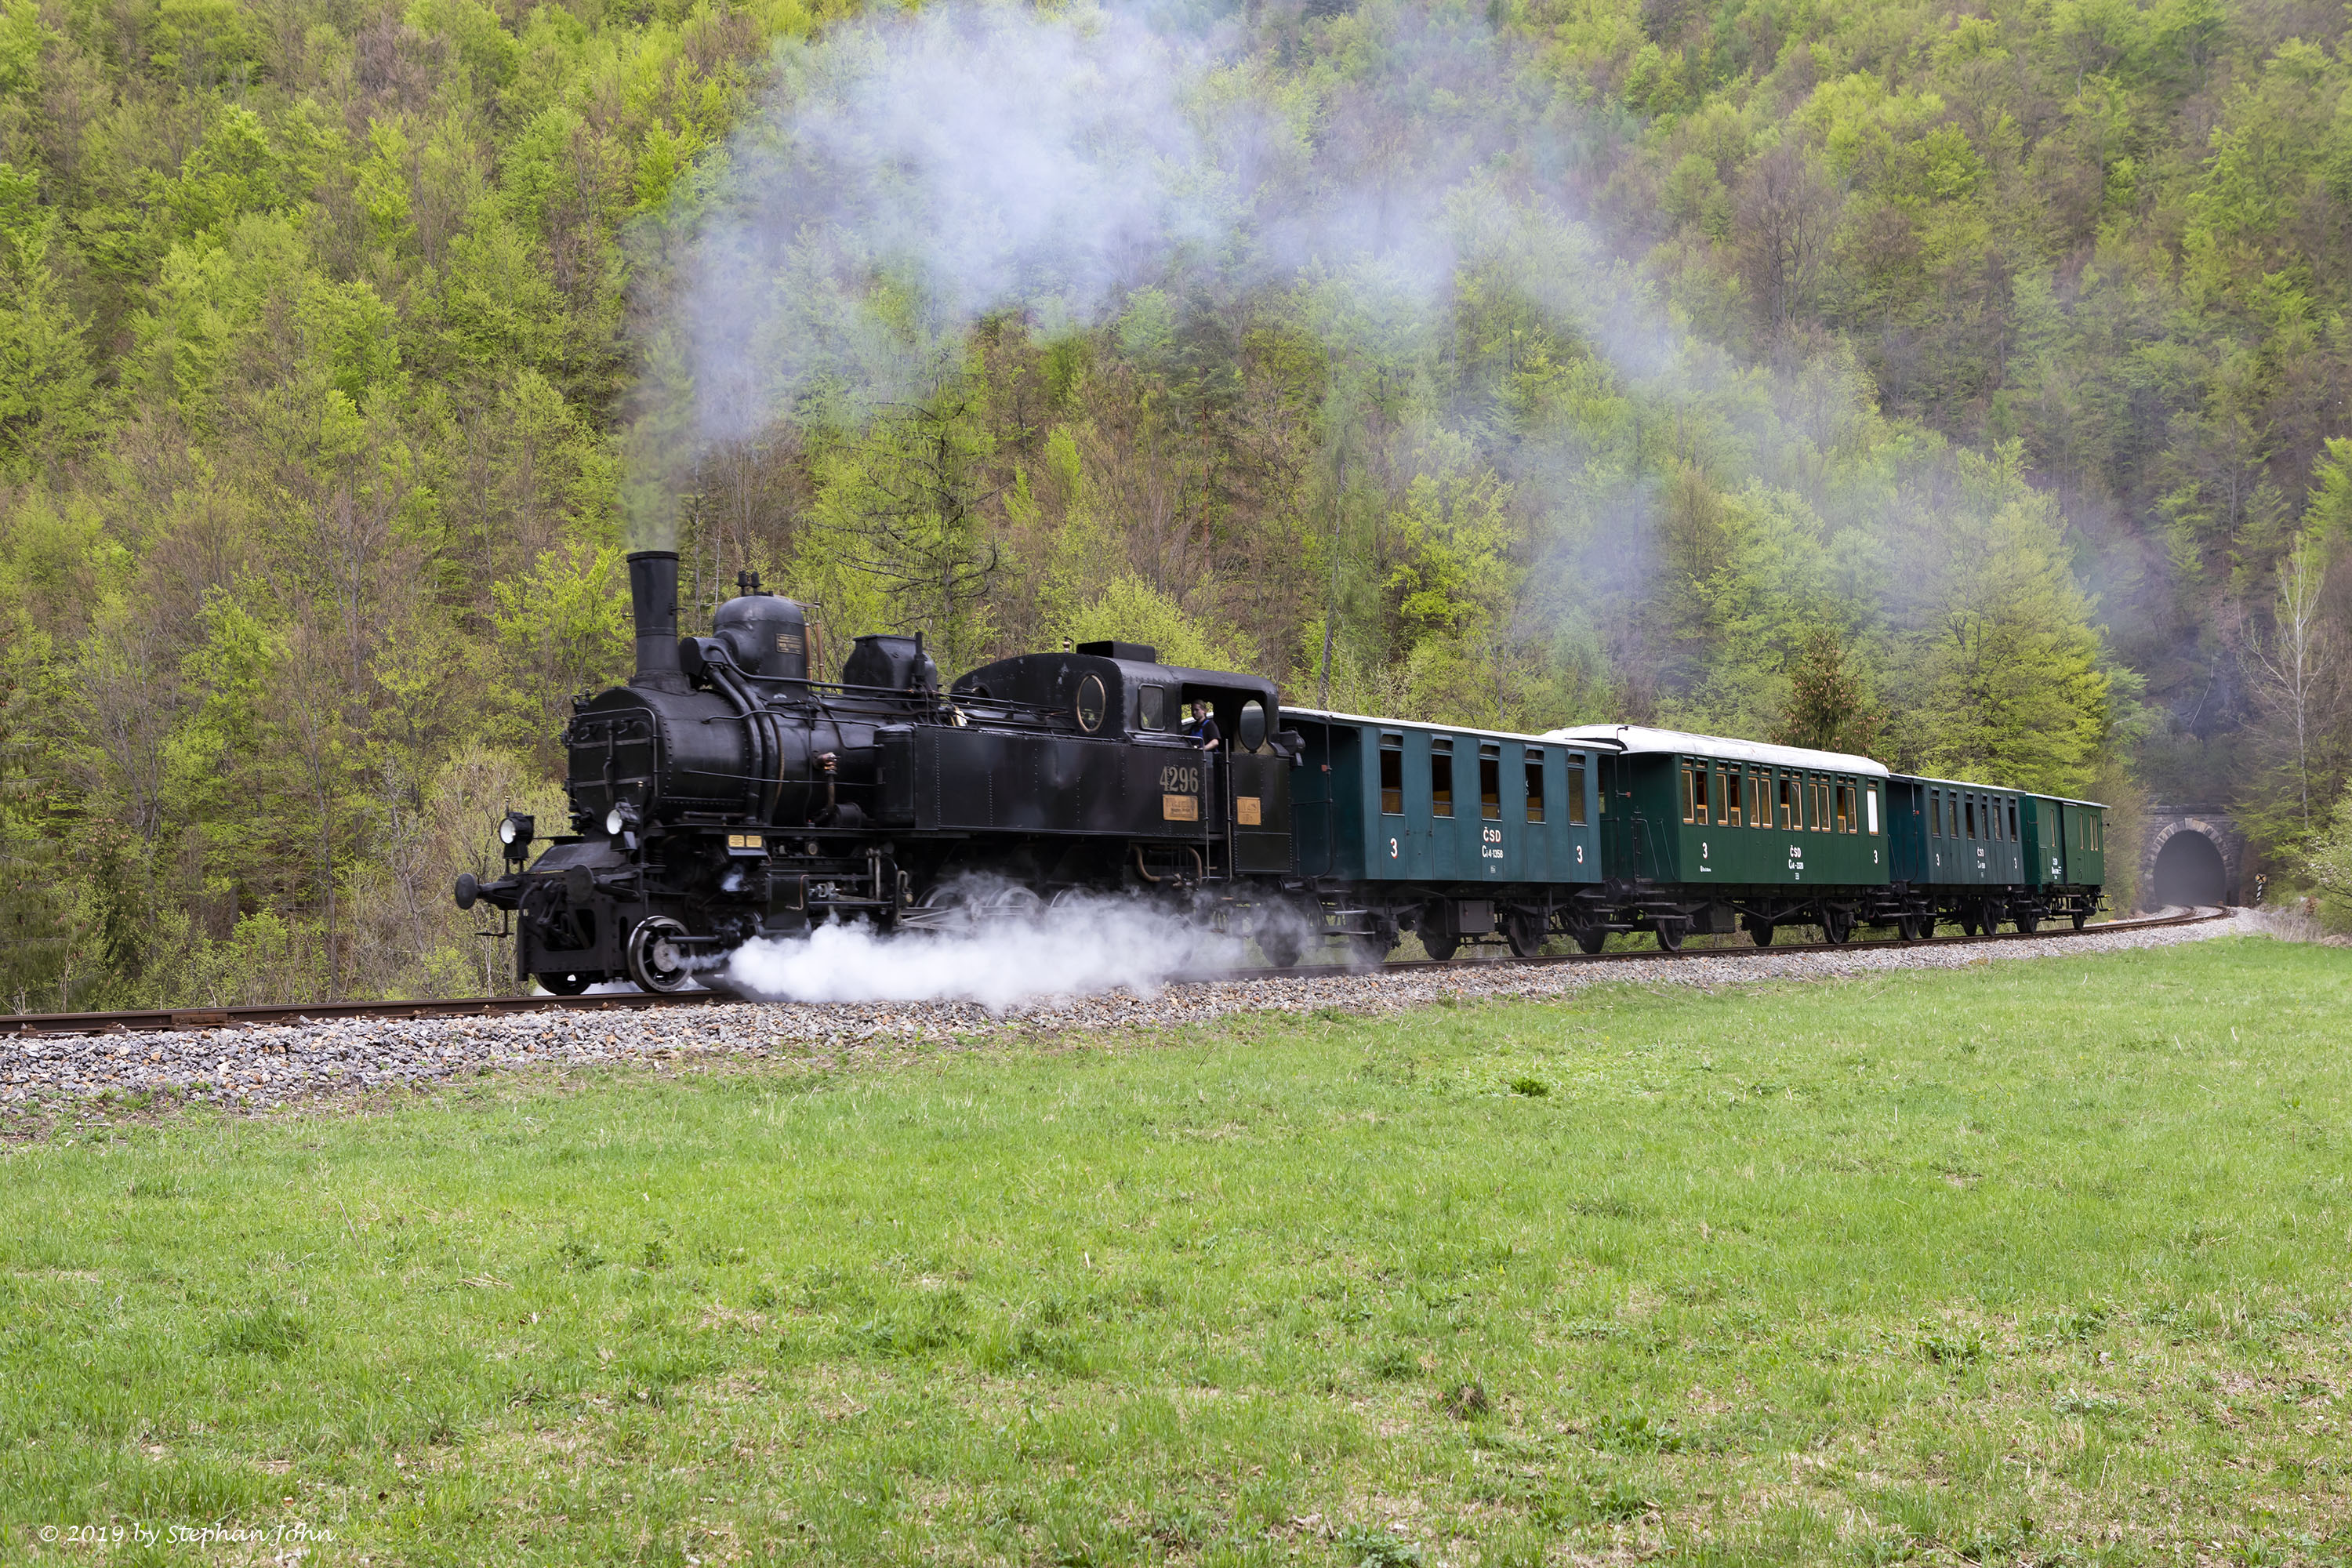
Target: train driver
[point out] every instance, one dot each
(1204, 727)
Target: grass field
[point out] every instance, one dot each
(2035, 1261)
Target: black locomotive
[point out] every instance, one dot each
(725, 793)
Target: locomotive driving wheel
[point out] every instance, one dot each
(565, 984)
(658, 956)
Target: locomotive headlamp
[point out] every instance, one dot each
(618, 818)
(515, 830)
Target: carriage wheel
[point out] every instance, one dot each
(2029, 920)
(1439, 947)
(1591, 939)
(1759, 933)
(2082, 918)
(1837, 927)
(1669, 933)
(1525, 933)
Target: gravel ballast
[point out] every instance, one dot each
(256, 1068)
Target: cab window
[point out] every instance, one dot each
(1151, 709)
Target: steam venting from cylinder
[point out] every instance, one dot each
(653, 605)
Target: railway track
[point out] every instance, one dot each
(151, 1020)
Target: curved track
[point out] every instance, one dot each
(163, 1018)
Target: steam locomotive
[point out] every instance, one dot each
(727, 793)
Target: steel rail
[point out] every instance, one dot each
(256, 1015)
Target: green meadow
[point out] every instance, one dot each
(2034, 1262)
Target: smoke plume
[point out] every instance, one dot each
(1085, 947)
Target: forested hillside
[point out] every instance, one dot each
(1992, 365)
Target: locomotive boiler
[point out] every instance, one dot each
(727, 792)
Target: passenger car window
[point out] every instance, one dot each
(1490, 783)
(1698, 800)
(1731, 797)
(1392, 776)
(1534, 787)
(1576, 792)
(1441, 778)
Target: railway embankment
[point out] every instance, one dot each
(259, 1068)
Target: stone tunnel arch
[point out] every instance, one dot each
(2189, 870)
(2190, 855)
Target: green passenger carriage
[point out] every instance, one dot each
(1455, 833)
(1703, 833)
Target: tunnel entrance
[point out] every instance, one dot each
(2189, 870)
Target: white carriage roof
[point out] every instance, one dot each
(1636, 740)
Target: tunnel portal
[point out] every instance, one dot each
(2190, 870)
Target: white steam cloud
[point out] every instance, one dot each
(1084, 948)
(915, 172)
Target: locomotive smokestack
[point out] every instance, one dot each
(653, 602)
